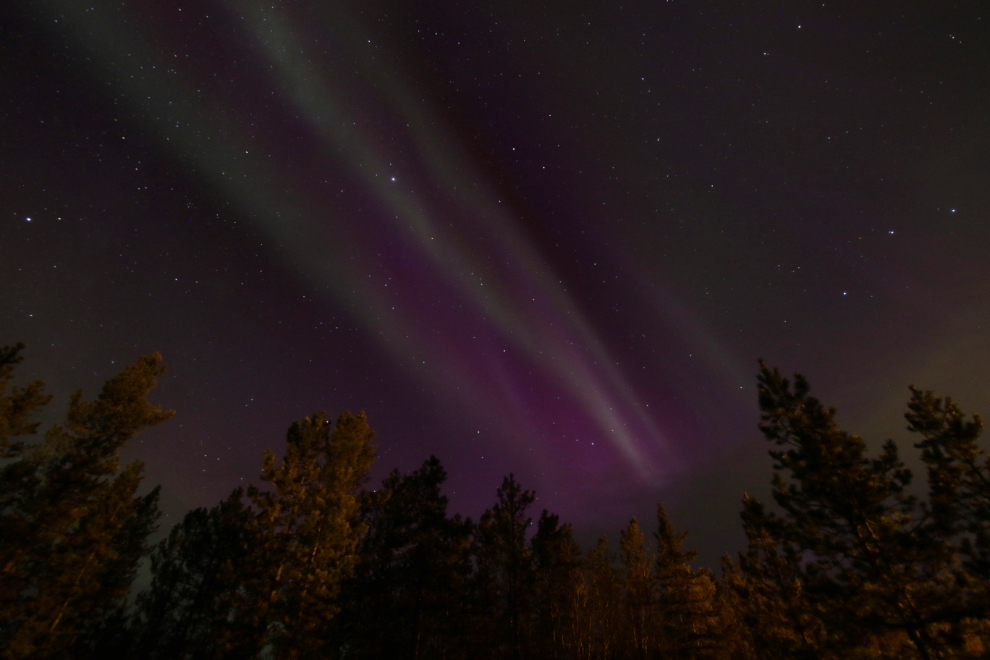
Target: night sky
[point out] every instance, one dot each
(548, 238)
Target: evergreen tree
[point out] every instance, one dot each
(404, 600)
(603, 610)
(850, 520)
(194, 576)
(505, 573)
(778, 620)
(685, 597)
(18, 407)
(558, 587)
(103, 631)
(18, 478)
(640, 612)
(958, 475)
(303, 538)
(730, 608)
(73, 526)
(958, 508)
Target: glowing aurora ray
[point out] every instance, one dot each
(551, 331)
(570, 369)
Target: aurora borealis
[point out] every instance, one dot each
(544, 239)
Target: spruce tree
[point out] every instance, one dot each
(558, 587)
(103, 632)
(639, 584)
(603, 608)
(505, 573)
(685, 597)
(730, 608)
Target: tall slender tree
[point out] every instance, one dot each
(194, 574)
(303, 539)
(639, 586)
(558, 587)
(685, 597)
(505, 572)
(603, 609)
(405, 599)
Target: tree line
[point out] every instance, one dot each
(314, 564)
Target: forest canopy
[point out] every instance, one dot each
(311, 563)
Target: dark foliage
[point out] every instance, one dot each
(847, 565)
(72, 529)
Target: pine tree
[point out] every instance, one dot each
(958, 475)
(75, 519)
(685, 600)
(639, 585)
(558, 586)
(18, 478)
(405, 598)
(303, 538)
(731, 608)
(505, 572)
(194, 576)
(603, 609)
(18, 408)
(778, 620)
(103, 631)
(850, 520)
(958, 508)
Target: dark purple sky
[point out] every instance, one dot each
(542, 238)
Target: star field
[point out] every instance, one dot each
(549, 240)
